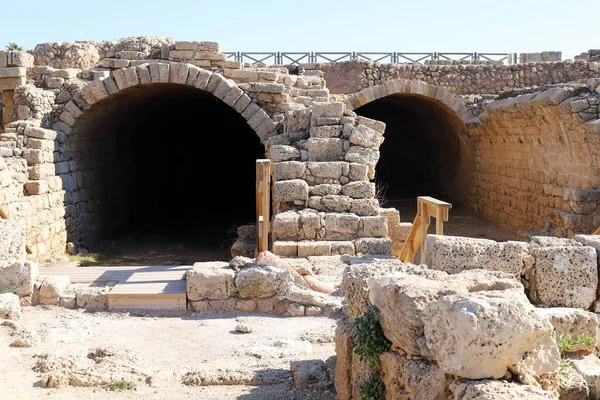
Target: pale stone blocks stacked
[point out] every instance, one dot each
(200, 54)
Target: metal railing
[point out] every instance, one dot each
(294, 58)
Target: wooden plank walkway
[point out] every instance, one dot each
(140, 287)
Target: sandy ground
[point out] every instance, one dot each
(161, 348)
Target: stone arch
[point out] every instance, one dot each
(405, 86)
(111, 145)
(427, 150)
(222, 88)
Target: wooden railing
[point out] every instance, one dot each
(263, 204)
(427, 207)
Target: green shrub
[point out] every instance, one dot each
(121, 385)
(372, 389)
(369, 340)
(567, 342)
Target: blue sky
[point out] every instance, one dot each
(310, 25)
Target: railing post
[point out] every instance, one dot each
(263, 201)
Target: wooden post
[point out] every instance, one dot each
(263, 200)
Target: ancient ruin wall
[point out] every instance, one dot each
(460, 79)
(535, 154)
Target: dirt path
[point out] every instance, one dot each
(161, 350)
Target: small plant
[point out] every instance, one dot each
(12, 291)
(567, 342)
(121, 385)
(13, 47)
(372, 389)
(369, 340)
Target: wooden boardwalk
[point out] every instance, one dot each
(141, 287)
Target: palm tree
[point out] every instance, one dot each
(13, 47)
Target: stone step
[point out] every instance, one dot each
(306, 248)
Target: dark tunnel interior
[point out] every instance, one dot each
(421, 153)
(171, 162)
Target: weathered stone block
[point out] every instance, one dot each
(496, 390)
(486, 334)
(377, 126)
(345, 224)
(12, 243)
(328, 169)
(286, 226)
(291, 190)
(564, 276)
(401, 301)
(52, 288)
(310, 374)
(413, 379)
(344, 350)
(324, 149)
(325, 189)
(575, 322)
(280, 153)
(210, 281)
(589, 368)
(328, 110)
(373, 246)
(258, 281)
(365, 137)
(288, 170)
(359, 190)
(453, 254)
(362, 155)
(285, 248)
(314, 248)
(374, 227)
(19, 276)
(331, 131)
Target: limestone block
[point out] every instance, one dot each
(210, 281)
(13, 72)
(310, 374)
(12, 243)
(280, 153)
(91, 298)
(328, 169)
(359, 190)
(589, 368)
(362, 155)
(550, 241)
(325, 189)
(310, 223)
(377, 126)
(342, 247)
(401, 300)
(364, 206)
(335, 203)
(52, 288)
(373, 227)
(498, 390)
(365, 137)
(373, 246)
(575, 322)
(291, 190)
(341, 223)
(314, 248)
(10, 306)
(159, 72)
(344, 350)
(324, 149)
(564, 276)
(223, 88)
(413, 379)
(232, 95)
(95, 91)
(328, 110)
(589, 240)
(358, 172)
(485, 334)
(288, 170)
(226, 305)
(360, 372)
(73, 109)
(454, 254)
(178, 73)
(286, 226)
(330, 131)
(19, 276)
(285, 248)
(572, 386)
(354, 286)
(259, 281)
(40, 133)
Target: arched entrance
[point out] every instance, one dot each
(163, 162)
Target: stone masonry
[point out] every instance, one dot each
(324, 155)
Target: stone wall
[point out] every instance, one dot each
(475, 79)
(532, 150)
